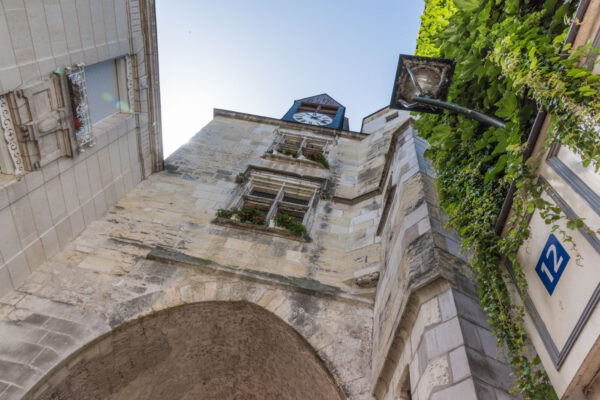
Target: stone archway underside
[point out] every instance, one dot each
(212, 350)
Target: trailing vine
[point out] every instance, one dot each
(510, 62)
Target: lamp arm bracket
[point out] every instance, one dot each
(409, 106)
(476, 115)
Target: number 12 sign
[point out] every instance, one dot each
(552, 263)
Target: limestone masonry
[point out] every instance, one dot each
(119, 281)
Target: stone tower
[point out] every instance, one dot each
(335, 279)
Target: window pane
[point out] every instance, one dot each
(587, 175)
(103, 95)
(263, 194)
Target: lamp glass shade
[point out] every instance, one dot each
(433, 76)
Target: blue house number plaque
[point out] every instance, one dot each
(552, 263)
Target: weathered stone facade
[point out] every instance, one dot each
(54, 194)
(378, 293)
(118, 281)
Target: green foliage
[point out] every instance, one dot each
(288, 152)
(224, 213)
(509, 62)
(433, 21)
(291, 224)
(317, 156)
(249, 213)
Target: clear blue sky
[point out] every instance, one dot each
(258, 56)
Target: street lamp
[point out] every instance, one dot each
(422, 85)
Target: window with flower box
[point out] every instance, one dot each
(301, 147)
(275, 201)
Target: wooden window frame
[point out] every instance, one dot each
(272, 194)
(300, 143)
(326, 109)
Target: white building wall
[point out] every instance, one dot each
(41, 210)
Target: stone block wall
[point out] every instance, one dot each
(449, 353)
(148, 254)
(168, 220)
(161, 246)
(41, 210)
(344, 244)
(429, 334)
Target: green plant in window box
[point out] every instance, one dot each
(249, 213)
(291, 224)
(288, 152)
(317, 156)
(224, 213)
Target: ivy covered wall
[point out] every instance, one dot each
(511, 62)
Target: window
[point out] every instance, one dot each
(96, 92)
(273, 194)
(574, 163)
(106, 89)
(592, 60)
(52, 117)
(582, 180)
(391, 117)
(299, 146)
(320, 108)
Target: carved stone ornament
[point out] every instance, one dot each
(80, 107)
(10, 136)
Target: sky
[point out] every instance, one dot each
(258, 56)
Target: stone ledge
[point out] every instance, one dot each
(290, 125)
(260, 229)
(300, 284)
(292, 160)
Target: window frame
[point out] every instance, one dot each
(299, 144)
(68, 100)
(284, 187)
(121, 97)
(316, 187)
(591, 197)
(327, 109)
(76, 91)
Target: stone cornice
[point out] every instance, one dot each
(289, 125)
(300, 284)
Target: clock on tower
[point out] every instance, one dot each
(319, 110)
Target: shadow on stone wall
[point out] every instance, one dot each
(209, 350)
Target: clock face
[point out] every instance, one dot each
(313, 118)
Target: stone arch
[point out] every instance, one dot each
(210, 349)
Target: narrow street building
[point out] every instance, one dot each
(268, 258)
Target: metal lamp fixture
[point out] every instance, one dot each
(422, 85)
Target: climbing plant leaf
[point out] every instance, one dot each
(511, 61)
(466, 5)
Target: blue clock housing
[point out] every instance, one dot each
(322, 103)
